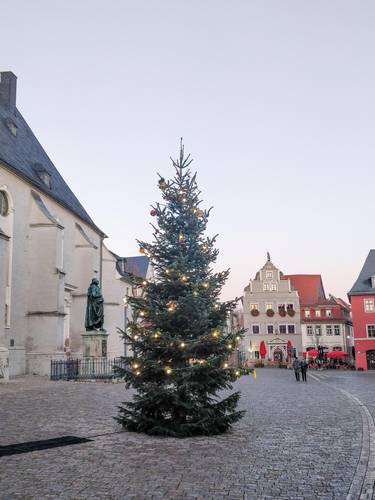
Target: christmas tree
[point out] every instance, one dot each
(178, 334)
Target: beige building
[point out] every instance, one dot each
(50, 249)
(271, 312)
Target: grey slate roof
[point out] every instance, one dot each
(133, 265)
(23, 154)
(363, 284)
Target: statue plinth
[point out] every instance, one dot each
(94, 344)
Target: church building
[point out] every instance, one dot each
(50, 249)
(271, 312)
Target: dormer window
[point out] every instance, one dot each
(4, 204)
(269, 274)
(45, 177)
(12, 127)
(372, 281)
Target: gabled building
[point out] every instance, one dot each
(271, 315)
(50, 249)
(362, 299)
(325, 322)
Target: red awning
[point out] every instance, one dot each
(337, 354)
(313, 353)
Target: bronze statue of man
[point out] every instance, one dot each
(95, 307)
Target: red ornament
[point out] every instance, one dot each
(153, 212)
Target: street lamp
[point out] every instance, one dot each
(125, 301)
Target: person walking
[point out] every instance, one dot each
(297, 368)
(304, 367)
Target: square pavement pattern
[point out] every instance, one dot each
(311, 440)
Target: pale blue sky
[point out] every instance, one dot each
(275, 100)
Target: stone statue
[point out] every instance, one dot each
(94, 308)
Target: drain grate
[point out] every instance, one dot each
(27, 447)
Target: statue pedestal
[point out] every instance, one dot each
(4, 364)
(94, 344)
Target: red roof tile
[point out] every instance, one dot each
(309, 286)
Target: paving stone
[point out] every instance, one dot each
(297, 441)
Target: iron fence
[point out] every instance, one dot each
(86, 369)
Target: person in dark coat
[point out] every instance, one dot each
(297, 368)
(304, 367)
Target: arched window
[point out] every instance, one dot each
(4, 204)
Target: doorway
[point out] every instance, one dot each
(370, 357)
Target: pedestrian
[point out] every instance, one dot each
(304, 367)
(297, 368)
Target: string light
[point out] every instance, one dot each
(181, 237)
(168, 371)
(217, 306)
(184, 200)
(135, 366)
(182, 344)
(157, 334)
(230, 346)
(171, 306)
(142, 313)
(205, 285)
(184, 278)
(136, 337)
(237, 372)
(205, 247)
(144, 283)
(225, 365)
(238, 337)
(215, 333)
(195, 293)
(138, 372)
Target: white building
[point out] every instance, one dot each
(271, 312)
(50, 249)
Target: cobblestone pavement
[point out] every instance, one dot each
(297, 441)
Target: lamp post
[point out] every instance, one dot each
(125, 300)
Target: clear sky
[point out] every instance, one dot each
(275, 100)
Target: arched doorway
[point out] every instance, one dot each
(370, 357)
(278, 355)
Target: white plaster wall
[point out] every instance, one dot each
(114, 290)
(37, 252)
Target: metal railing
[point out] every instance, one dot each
(86, 369)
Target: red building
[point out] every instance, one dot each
(326, 322)
(362, 298)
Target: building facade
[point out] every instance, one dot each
(324, 322)
(50, 249)
(271, 313)
(362, 299)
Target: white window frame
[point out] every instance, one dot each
(286, 328)
(273, 328)
(273, 287)
(268, 304)
(367, 332)
(331, 331)
(368, 305)
(318, 313)
(334, 330)
(307, 313)
(252, 328)
(266, 287)
(320, 329)
(309, 328)
(294, 326)
(329, 313)
(254, 306)
(269, 275)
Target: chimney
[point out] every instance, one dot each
(8, 89)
